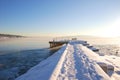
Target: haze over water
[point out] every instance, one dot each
(17, 44)
(107, 46)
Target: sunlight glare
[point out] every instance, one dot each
(113, 30)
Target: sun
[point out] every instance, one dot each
(113, 30)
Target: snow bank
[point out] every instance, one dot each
(58, 67)
(72, 62)
(110, 62)
(92, 59)
(44, 69)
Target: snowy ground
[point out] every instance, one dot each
(74, 62)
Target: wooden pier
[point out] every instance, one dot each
(60, 41)
(57, 43)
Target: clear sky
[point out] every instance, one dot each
(60, 17)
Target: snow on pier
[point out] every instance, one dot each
(72, 62)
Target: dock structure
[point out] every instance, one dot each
(57, 43)
(60, 41)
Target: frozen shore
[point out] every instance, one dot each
(75, 62)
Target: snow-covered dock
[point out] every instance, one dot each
(60, 42)
(73, 62)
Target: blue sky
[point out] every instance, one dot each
(60, 17)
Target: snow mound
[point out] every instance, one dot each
(72, 62)
(45, 68)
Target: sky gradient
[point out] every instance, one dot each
(60, 17)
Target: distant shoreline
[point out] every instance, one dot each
(9, 36)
